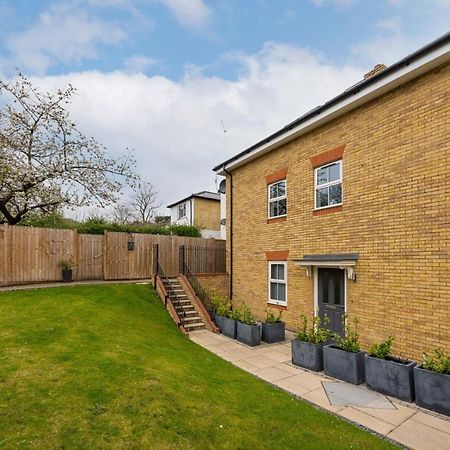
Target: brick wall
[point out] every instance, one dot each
(396, 215)
(214, 282)
(207, 214)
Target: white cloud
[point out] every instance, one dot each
(175, 126)
(63, 34)
(190, 13)
(138, 63)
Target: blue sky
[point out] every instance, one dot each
(158, 76)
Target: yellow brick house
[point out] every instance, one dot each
(346, 210)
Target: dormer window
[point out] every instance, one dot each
(328, 185)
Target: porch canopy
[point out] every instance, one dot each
(346, 261)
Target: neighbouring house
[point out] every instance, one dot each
(346, 210)
(201, 209)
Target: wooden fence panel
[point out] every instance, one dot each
(89, 264)
(32, 255)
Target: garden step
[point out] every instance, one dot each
(193, 319)
(192, 327)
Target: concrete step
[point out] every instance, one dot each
(192, 320)
(194, 327)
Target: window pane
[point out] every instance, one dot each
(338, 300)
(282, 208)
(281, 271)
(273, 191)
(322, 176)
(273, 209)
(324, 286)
(281, 188)
(335, 194)
(334, 172)
(322, 197)
(281, 292)
(273, 291)
(274, 271)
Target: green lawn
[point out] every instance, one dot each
(94, 367)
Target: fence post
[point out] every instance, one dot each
(76, 254)
(7, 254)
(155, 254)
(182, 261)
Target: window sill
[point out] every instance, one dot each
(277, 219)
(327, 210)
(277, 306)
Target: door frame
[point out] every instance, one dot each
(315, 270)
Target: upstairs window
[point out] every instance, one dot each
(278, 283)
(181, 210)
(328, 185)
(277, 199)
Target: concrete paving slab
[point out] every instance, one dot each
(272, 374)
(261, 361)
(292, 388)
(289, 367)
(307, 380)
(394, 416)
(279, 356)
(366, 420)
(350, 395)
(442, 424)
(420, 437)
(319, 398)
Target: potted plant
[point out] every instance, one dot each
(66, 267)
(273, 328)
(388, 375)
(221, 306)
(307, 347)
(344, 359)
(229, 321)
(248, 330)
(432, 381)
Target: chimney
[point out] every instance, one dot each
(378, 68)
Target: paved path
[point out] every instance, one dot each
(405, 423)
(22, 287)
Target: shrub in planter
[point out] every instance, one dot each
(273, 328)
(432, 382)
(307, 347)
(66, 267)
(388, 375)
(248, 331)
(345, 360)
(221, 308)
(229, 323)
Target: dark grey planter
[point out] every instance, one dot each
(249, 334)
(390, 377)
(218, 319)
(307, 355)
(229, 327)
(346, 366)
(67, 275)
(273, 332)
(432, 390)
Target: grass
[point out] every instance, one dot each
(93, 367)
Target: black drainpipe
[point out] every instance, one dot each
(191, 215)
(231, 231)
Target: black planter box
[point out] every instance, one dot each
(219, 320)
(229, 327)
(432, 390)
(391, 377)
(249, 334)
(67, 275)
(346, 366)
(307, 355)
(273, 332)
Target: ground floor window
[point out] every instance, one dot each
(278, 282)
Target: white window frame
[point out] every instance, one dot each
(181, 205)
(270, 264)
(270, 200)
(330, 183)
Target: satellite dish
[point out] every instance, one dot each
(222, 186)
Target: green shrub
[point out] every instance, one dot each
(223, 307)
(381, 350)
(350, 342)
(246, 315)
(234, 314)
(65, 264)
(437, 361)
(218, 302)
(317, 333)
(272, 317)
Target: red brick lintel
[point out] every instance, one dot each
(328, 156)
(276, 176)
(278, 255)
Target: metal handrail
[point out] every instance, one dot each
(161, 272)
(199, 290)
